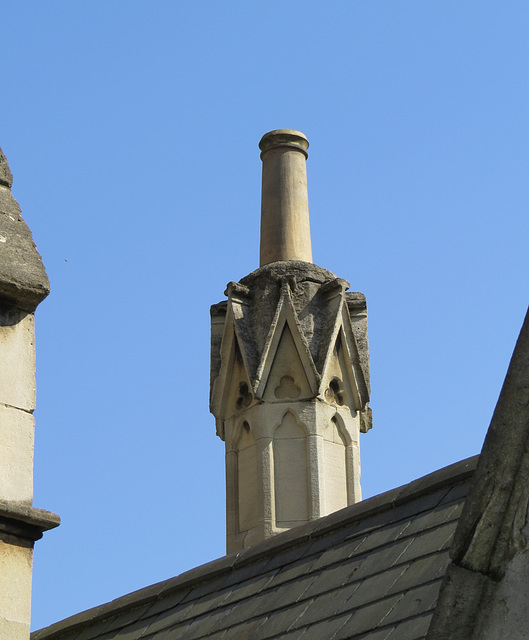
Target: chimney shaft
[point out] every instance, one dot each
(285, 227)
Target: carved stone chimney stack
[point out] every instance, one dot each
(289, 369)
(285, 228)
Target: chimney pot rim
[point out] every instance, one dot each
(284, 138)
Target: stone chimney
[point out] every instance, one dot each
(289, 369)
(23, 285)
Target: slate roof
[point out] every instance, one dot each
(371, 570)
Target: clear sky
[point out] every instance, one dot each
(131, 129)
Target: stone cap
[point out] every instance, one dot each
(284, 138)
(23, 279)
(287, 269)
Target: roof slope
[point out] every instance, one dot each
(371, 570)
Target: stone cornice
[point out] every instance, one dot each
(24, 523)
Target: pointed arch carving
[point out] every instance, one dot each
(342, 355)
(286, 330)
(227, 394)
(247, 476)
(340, 375)
(291, 472)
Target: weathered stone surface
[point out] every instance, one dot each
(356, 302)
(316, 308)
(506, 614)
(6, 177)
(264, 290)
(457, 609)
(23, 280)
(296, 269)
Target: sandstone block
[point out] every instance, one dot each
(16, 454)
(17, 361)
(15, 588)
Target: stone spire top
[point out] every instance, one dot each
(285, 228)
(23, 280)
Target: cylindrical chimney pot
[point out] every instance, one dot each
(285, 227)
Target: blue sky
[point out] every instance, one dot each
(131, 129)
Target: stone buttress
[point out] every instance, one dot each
(289, 369)
(23, 285)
